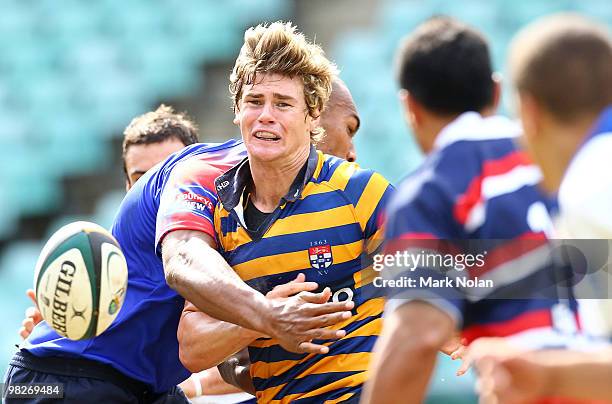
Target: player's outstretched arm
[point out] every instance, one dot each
(509, 375)
(205, 342)
(198, 272)
(405, 353)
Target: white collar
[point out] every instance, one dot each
(472, 126)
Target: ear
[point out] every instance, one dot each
(127, 185)
(315, 122)
(411, 108)
(236, 120)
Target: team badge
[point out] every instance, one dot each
(321, 256)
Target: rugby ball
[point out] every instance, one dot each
(80, 280)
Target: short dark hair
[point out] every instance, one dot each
(158, 126)
(446, 66)
(565, 62)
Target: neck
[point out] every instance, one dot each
(434, 126)
(560, 144)
(272, 180)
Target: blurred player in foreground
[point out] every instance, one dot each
(290, 212)
(562, 69)
(474, 184)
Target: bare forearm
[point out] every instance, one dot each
(222, 340)
(578, 374)
(400, 373)
(200, 275)
(405, 354)
(213, 384)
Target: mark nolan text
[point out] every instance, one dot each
(430, 282)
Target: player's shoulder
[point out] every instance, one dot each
(345, 177)
(204, 160)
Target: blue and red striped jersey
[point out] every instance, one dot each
(177, 194)
(478, 186)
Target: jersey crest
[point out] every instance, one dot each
(321, 256)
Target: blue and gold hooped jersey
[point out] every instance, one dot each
(326, 227)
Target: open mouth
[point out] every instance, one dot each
(267, 136)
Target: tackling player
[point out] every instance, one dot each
(119, 366)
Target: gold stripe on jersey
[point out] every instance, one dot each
(293, 261)
(370, 198)
(338, 181)
(313, 221)
(349, 381)
(357, 362)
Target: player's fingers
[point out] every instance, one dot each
(317, 298)
(291, 288)
(29, 325)
(326, 320)
(34, 314)
(325, 334)
(310, 347)
(31, 312)
(332, 307)
(464, 367)
(23, 333)
(30, 293)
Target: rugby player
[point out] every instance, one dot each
(474, 184)
(561, 68)
(147, 141)
(340, 122)
(288, 211)
(125, 363)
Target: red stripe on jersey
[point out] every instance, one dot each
(473, 193)
(523, 322)
(510, 251)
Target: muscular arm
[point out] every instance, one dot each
(221, 339)
(198, 272)
(405, 353)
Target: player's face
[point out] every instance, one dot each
(139, 158)
(341, 122)
(274, 120)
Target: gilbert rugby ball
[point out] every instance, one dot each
(80, 280)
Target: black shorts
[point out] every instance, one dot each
(83, 381)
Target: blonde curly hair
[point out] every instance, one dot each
(279, 48)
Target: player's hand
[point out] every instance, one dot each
(299, 319)
(294, 287)
(456, 348)
(32, 317)
(506, 375)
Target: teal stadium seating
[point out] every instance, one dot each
(71, 76)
